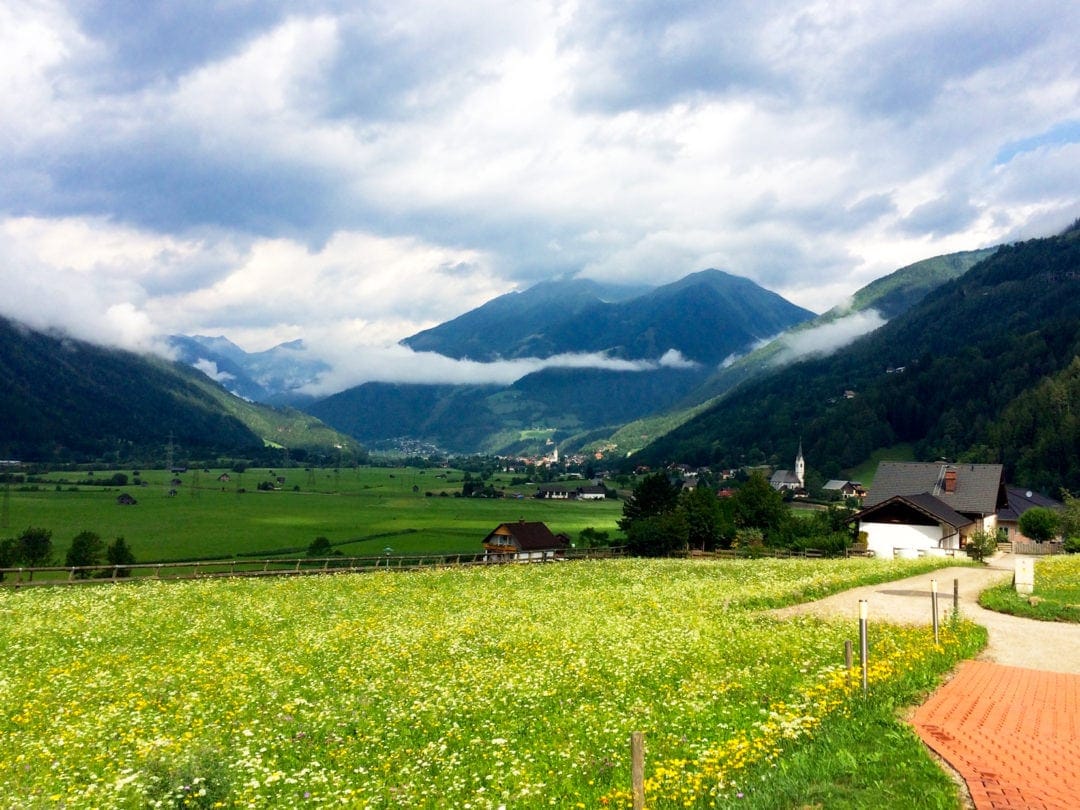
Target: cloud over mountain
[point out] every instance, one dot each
(359, 172)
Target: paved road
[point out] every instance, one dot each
(1014, 642)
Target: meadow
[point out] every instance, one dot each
(1056, 597)
(362, 511)
(510, 686)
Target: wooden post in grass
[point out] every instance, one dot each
(847, 658)
(956, 598)
(863, 645)
(637, 769)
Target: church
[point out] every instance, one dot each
(787, 480)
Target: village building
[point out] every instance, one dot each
(918, 508)
(791, 480)
(1020, 500)
(562, 492)
(844, 489)
(525, 541)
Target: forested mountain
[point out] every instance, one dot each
(64, 399)
(979, 370)
(888, 296)
(679, 332)
(560, 402)
(512, 325)
(706, 316)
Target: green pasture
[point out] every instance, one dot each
(361, 511)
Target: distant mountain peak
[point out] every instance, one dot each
(705, 316)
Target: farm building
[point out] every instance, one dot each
(524, 541)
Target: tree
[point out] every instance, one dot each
(1070, 517)
(707, 523)
(119, 554)
(593, 538)
(658, 535)
(1040, 524)
(320, 547)
(654, 495)
(758, 506)
(85, 552)
(33, 548)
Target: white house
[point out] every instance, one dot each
(921, 508)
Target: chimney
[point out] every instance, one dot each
(950, 481)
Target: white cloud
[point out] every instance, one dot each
(353, 174)
(210, 369)
(829, 337)
(401, 364)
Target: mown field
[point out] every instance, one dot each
(361, 511)
(515, 687)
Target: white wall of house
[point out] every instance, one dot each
(882, 538)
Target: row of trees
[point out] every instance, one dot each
(660, 517)
(34, 549)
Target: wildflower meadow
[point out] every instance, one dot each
(508, 686)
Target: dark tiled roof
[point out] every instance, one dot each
(783, 477)
(530, 536)
(979, 488)
(925, 503)
(1020, 500)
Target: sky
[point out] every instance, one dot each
(350, 173)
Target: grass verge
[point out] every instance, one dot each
(1056, 597)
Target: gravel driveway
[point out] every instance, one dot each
(1014, 642)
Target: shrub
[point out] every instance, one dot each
(1040, 524)
(118, 553)
(981, 544)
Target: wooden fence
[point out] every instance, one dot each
(303, 566)
(1038, 549)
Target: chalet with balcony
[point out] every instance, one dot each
(525, 541)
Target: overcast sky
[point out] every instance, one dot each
(352, 172)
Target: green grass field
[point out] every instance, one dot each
(504, 686)
(210, 519)
(1056, 594)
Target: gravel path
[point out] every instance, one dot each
(1014, 642)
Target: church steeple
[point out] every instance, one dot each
(800, 467)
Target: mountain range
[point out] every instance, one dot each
(669, 339)
(274, 376)
(983, 369)
(970, 356)
(68, 400)
(706, 317)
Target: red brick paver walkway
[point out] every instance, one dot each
(1012, 733)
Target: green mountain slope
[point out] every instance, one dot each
(890, 296)
(64, 399)
(513, 325)
(705, 316)
(940, 377)
(677, 333)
